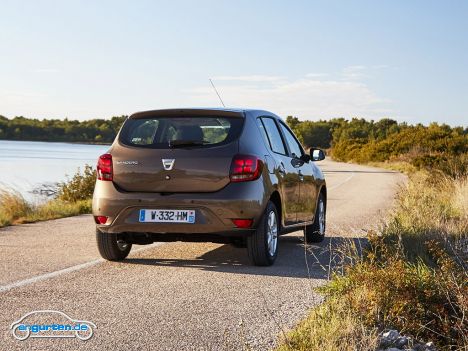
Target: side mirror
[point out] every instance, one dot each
(317, 154)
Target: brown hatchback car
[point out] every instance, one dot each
(216, 175)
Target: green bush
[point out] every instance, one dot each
(451, 165)
(79, 187)
(437, 146)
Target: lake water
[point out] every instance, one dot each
(26, 165)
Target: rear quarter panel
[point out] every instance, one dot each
(252, 142)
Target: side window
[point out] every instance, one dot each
(274, 136)
(263, 132)
(293, 144)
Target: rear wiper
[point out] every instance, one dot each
(183, 143)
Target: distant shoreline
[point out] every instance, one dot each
(59, 141)
(92, 132)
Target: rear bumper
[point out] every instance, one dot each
(213, 211)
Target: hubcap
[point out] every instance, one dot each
(272, 233)
(321, 218)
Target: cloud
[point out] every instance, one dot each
(354, 72)
(360, 72)
(306, 97)
(251, 78)
(380, 66)
(316, 75)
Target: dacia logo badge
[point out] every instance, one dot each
(168, 163)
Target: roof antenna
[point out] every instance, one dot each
(217, 92)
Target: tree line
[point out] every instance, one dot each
(89, 131)
(363, 141)
(355, 140)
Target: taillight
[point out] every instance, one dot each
(242, 223)
(104, 167)
(245, 168)
(100, 219)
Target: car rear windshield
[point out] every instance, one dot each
(173, 132)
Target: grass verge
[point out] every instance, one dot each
(331, 326)
(73, 198)
(411, 277)
(14, 209)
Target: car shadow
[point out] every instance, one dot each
(295, 260)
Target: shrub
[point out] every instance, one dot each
(437, 146)
(389, 292)
(452, 165)
(411, 277)
(79, 187)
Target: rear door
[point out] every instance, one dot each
(289, 178)
(307, 189)
(175, 153)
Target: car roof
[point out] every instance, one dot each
(207, 111)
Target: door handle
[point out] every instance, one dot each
(301, 176)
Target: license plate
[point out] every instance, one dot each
(167, 216)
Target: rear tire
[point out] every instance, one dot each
(262, 246)
(111, 246)
(240, 243)
(315, 233)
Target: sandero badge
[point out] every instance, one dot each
(51, 324)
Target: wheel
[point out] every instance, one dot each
(315, 232)
(111, 246)
(262, 246)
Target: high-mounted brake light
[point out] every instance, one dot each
(104, 167)
(245, 168)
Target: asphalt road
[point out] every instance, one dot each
(179, 296)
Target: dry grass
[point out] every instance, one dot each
(58, 209)
(399, 166)
(73, 198)
(431, 207)
(331, 326)
(14, 209)
(411, 277)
